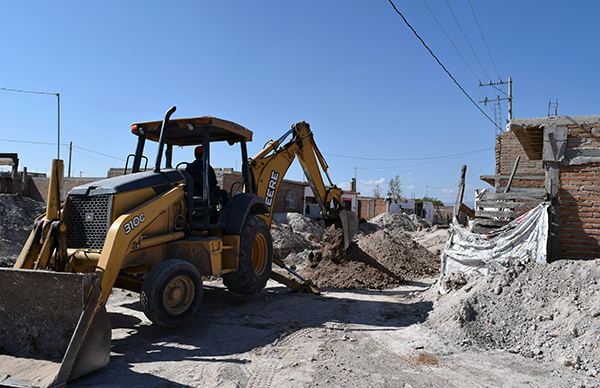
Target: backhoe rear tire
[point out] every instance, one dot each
(255, 258)
(171, 293)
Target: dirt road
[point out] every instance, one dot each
(282, 339)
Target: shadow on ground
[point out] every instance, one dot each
(229, 325)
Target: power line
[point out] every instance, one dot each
(483, 37)
(91, 157)
(451, 42)
(467, 39)
(440, 63)
(478, 171)
(481, 169)
(64, 145)
(51, 94)
(99, 153)
(411, 165)
(30, 142)
(27, 91)
(396, 160)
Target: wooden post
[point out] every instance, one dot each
(24, 182)
(512, 174)
(461, 191)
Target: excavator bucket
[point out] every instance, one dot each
(53, 327)
(349, 222)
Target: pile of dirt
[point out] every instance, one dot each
(17, 215)
(547, 312)
(384, 259)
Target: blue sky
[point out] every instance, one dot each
(377, 101)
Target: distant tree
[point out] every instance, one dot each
(395, 186)
(377, 191)
(435, 201)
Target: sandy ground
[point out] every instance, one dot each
(535, 327)
(278, 338)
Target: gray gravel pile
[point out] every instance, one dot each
(294, 233)
(396, 221)
(17, 215)
(548, 312)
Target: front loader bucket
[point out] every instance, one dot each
(53, 327)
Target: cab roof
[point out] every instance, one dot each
(190, 131)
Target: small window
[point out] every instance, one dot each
(290, 200)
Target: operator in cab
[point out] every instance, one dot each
(196, 168)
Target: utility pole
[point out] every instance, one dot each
(58, 101)
(70, 153)
(498, 116)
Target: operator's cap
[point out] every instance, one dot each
(199, 151)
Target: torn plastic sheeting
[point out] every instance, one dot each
(522, 240)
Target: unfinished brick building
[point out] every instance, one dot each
(560, 163)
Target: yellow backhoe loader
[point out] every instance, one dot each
(147, 231)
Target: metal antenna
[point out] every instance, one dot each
(555, 105)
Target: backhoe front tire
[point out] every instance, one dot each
(171, 293)
(255, 258)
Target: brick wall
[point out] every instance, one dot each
(579, 202)
(583, 136)
(38, 188)
(575, 216)
(365, 209)
(508, 149)
(226, 178)
(579, 198)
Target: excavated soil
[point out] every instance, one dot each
(384, 259)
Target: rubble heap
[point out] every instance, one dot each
(292, 232)
(18, 215)
(543, 311)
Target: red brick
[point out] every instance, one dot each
(592, 255)
(591, 220)
(591, 243)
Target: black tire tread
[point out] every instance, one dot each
(151, 291)
(245, 280)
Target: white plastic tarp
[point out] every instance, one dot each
(522, 240)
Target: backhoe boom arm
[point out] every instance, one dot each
(270, 165)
